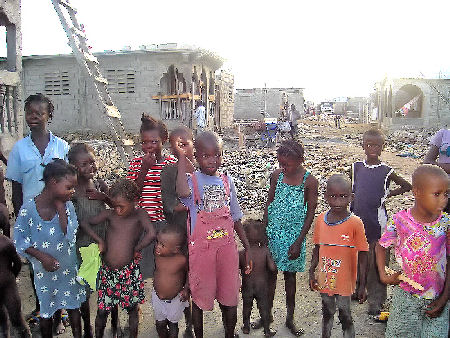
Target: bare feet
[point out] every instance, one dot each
(271, 333)
(259, 324)
(188, 333)
(245, 329)
(88, 332)
(293, 329)
(59, 328)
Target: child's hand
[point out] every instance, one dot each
(180, 207)
(102, 246)
(94, 194)
(294, 250)
(249, 264)
(178, 151)
(149, 160)
(362, 295)
(390, 279)
(184, 294)
(313, 284)
(49, 263)
(435, 308)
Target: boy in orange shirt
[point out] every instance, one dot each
(340, 245)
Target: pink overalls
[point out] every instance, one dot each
(213, 255)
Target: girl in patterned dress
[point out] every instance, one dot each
(146, 172)
(49, 244)
(291, 204)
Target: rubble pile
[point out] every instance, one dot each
(410, 142)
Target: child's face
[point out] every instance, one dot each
(209, 158)
(151, 141)
(289, 164)
(432, 196)
(122, 206)
(166, 244)
(185, 143)
(85, 163)
(373, 145)
(36, 116)
(64, 188)
(338, 196)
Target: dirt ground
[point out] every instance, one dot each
(333, 146)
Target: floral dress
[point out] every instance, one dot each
(286, 216)
(59, 289)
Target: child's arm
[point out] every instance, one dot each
(183, 189)
(380, 254)
(311, 195)
(269, 261)
(435, 308)
(243, 237)
(16, 263)
(148, 161)
(271, 193)
(184, 293)
(314, 261)
(404, 185)
(2, 188)
(362, 265)
(17, 197)
(86, 226)
(100, 195)
(149, 229)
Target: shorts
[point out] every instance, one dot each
(122, 286)
(408, 319)
(172, 310)
(214, 274)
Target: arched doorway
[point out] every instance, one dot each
(408, 102)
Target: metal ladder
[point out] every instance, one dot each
(77, 41)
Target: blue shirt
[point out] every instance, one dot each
(212, 194)
(26, 165)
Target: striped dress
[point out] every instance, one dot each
(150, 199)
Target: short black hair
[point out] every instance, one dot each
(40, 98)
(181, 131)
(78, 148)
(256, 224)
(340, 179)
(209, 137)
(125, 188)
(424, 171)
(374, 133)
(58, 169)
(175, 230)
(291, 148)
(149, 123)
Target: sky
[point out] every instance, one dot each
(330, 48)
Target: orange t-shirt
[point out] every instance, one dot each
(338, 254)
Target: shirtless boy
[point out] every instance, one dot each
(120, 279)
(10, 303)
(170, 290)
(254, 285)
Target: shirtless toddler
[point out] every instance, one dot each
(120, 279)
(170, 291)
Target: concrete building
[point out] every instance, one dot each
(250, 102)
(11, 116)
(413, 102)
(164, 81)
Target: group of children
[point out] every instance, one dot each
(174, 218)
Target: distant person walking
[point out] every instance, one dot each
(200, 116)
(293, 116)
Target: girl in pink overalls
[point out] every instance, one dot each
(214, 216)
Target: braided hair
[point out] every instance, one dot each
(149, 123)
(292, 149)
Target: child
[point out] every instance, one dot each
(170, 289)
(10, 265)
(146, 172)
(89, 200)
(214, 215)
(49, 246)
(371, 179)
(290, 208)
(27, 159)
(340, 247)
(420, 236)
(174, 211)
(254, 285)
(120, 279)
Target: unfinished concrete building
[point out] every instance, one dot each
(413, 102)
(249, 103)
(164, 81)
(11, 115)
